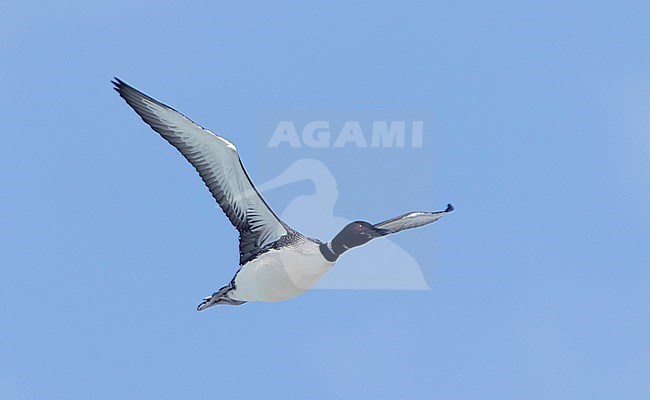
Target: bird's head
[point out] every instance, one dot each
(355, 234)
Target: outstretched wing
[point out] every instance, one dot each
(218, 163)
(412, 220)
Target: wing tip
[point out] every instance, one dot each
(117, 82)
(133, 96)
(449, 208)
(120, 87)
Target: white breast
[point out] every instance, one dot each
(280, 274)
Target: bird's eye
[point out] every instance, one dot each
(358, 227)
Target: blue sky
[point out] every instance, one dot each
(108, 239)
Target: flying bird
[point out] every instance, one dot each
(276, 262)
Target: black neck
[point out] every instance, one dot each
(327, 253)
(335, 247)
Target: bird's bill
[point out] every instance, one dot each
(382, 232)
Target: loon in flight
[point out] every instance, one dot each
(276, 262)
